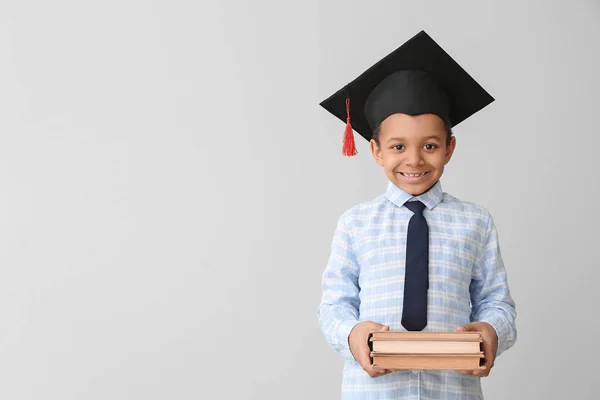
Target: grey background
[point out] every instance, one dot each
(170, 188)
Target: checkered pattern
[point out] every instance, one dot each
(364, 281)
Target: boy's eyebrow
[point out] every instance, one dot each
(436, 137)
(395, 138)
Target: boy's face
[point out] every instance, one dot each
(412, 145)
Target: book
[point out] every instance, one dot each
(428, 361)
(413, 335)
(424, 346)
(426, 350)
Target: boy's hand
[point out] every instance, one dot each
(359, 346)
(490, 345)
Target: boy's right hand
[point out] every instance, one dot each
(359, 346)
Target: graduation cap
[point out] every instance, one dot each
(418, 77)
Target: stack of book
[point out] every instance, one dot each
(426, 350)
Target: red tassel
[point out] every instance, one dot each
(349, 147)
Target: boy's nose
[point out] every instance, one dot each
(413, 158)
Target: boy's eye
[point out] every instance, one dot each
(428, 146)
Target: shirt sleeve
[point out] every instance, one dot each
(490, 295)
(338, 311)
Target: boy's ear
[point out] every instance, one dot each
(450, 149)
(376, 152)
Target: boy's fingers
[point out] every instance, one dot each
(365, 359)
(365, 351)
(467, 327)
(488, 366)
(375, 326)
(488, 363)
(487, 355)
(378, 371)
(365, 356)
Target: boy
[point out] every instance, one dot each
(414, 258)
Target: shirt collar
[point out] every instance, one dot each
(430, 198)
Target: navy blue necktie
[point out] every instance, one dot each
(416, 278)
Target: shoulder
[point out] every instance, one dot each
(361, 213)
(466, 209)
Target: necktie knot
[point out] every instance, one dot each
(415, 206)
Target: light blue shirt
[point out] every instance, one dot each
(364, 281)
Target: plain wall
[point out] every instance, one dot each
(170, 188)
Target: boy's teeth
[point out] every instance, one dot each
(413, 175)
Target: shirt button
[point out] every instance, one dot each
(415, 372)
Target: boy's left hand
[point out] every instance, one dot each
(490, 345)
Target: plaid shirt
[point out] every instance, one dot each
(364, 281)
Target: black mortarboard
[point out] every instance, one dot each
(418, 77)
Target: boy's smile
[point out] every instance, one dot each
(413, 177)
(413, 150)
